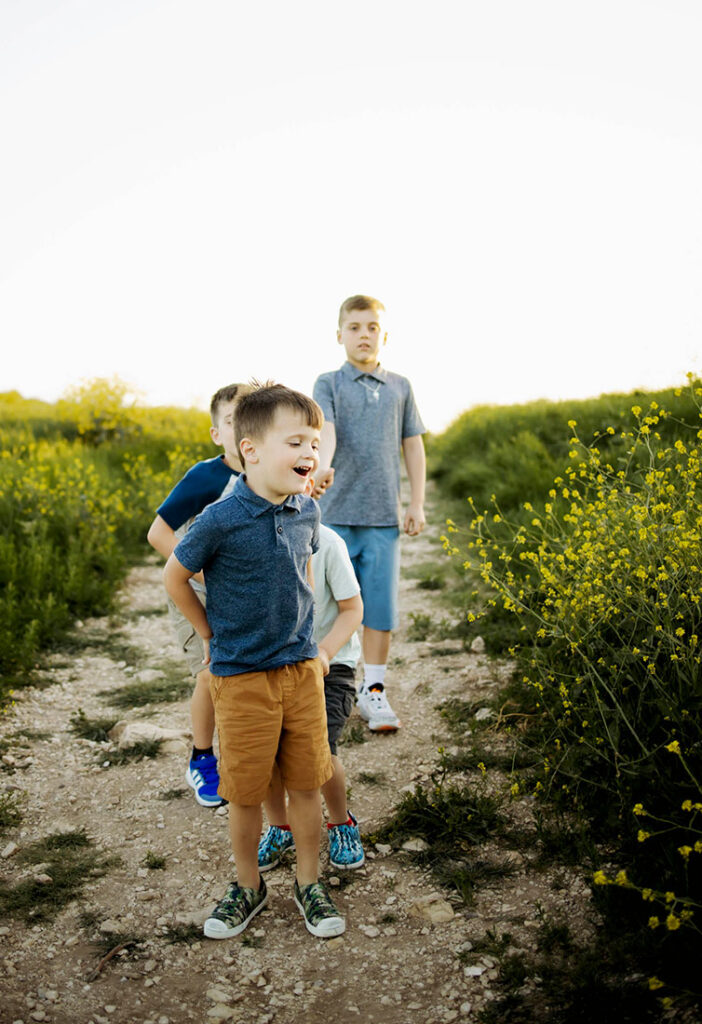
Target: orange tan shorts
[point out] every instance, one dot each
(262, 717)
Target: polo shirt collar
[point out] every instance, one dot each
(379, 373)
(255, 505)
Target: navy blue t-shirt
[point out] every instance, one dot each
(202, 484)
(254, 555)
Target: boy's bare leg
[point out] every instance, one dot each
(274, 804)
(202, 711)
(245, 831)
(305, 812)
(376, 645)
(334, 793)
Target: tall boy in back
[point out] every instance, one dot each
(205, 482)
(370, 416)
(267, 687)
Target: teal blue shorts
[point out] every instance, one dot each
(375, 556)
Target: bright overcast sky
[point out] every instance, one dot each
(189, 189)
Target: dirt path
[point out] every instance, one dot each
(400, 959)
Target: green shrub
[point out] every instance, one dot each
(606, 581)
(78, 490)
(514, 452)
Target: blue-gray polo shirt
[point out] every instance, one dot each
(254, 555)
(372, 414)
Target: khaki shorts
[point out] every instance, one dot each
(189, 641)
(262, 717)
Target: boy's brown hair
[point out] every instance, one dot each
(255, 411)
(359, 302)
(225, 394)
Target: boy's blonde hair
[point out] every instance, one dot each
(226, 394)
(255, 411)
(359, 302)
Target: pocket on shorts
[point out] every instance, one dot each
(349, 700)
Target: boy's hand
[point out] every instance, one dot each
(414, 520)
(323, 479)
(324, 658)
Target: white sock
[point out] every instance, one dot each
(372, 675)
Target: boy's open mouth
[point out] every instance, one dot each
(302, 470)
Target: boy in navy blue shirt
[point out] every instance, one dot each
(205, 482)
(255, 548)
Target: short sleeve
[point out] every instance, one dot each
(315, 532)
(411, 420)
(202, 484)
(323, 394)
(199, 544)
(338, 571)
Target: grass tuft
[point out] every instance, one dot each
(134, 752)
(154, 861)
(174, 686)
(69, 860)
(10, 813)
(96, 729)
(354, 732)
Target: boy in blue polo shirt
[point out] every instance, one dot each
(255, 548)
(369, 417)
(205, 482)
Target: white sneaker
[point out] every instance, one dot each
(374, 707)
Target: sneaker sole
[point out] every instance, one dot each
(216, 929)
(383, 726)
(275, 863)
(348, 867)
(327, 928)
(203, 801)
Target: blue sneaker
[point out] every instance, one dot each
(275, 841)
(203, 776)
(345, 847)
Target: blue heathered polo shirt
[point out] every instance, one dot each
(254, 555)
(372, 414)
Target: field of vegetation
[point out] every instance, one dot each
(79, 483)
(578, 526)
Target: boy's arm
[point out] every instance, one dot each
(175, 578)
(344, 626)
(324, 477)
(416, 464)
(163, 539)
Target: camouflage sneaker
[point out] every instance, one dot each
(321, 916)
(233, 913)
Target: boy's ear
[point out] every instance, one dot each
(214, 434)
(248, 451)
(338, 338)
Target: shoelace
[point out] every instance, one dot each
(318, 902)
(275, 838)
(233, 907)
(346, 840)
(208, 769)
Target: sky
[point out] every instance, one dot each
(188, 190)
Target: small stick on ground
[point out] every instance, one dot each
(108, 956)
